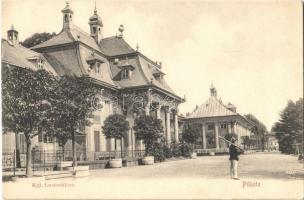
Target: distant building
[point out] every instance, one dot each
(216, 119)
(272, 142)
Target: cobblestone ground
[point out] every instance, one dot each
(262, 175)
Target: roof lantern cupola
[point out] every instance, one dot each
(213, 91)
(96, 25)
(12, 36)
(67, 16)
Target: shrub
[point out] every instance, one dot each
(175, 149)
(186, 149)
(149, 130)
(158, 152)
(167, 152)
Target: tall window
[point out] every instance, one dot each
(223, 126)
(97, 68)
(97, 141)
(40, 63)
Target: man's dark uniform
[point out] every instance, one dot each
(234, 153)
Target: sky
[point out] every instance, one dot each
(251, 51)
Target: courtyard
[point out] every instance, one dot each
(262, 175)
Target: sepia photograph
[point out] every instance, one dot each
(151, 99)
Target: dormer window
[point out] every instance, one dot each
(126, 69)
(158, 75)
(95, 63)
(37, 61)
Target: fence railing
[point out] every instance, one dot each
(106, 155)
(49, 159)
(207, 151)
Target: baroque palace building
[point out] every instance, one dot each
(130, 83)
(215, 120)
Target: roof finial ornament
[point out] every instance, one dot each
(213, 91)
(95, 9)
(137, 47)
(121, 30)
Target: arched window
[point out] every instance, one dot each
(94, 29)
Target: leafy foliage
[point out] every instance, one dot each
(191, 133)
(186, 149)
(259, 129)
(289, 128)
(72, 107)
(246, 141)
(37, 38)
(26, 96)
(175, 149)
(116, 126)
(158, 150)
(149, 130)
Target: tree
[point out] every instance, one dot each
(25, 102)
(37, 38)
(116, 126)
(259, 129)
(246, 141)
(149, 130)
(62, 138)
(191, 133)
(73, 106)
(289, 128)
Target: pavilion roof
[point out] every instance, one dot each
(211, 108)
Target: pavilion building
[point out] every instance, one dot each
(215, 120)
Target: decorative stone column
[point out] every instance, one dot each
(238, 133)
(176, 126)
(158, 111)
(229, 128)
(168, 131)
(204, 136)
(147, 109)
(130, 142)
(217, 145)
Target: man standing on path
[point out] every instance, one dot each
(234, 153)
